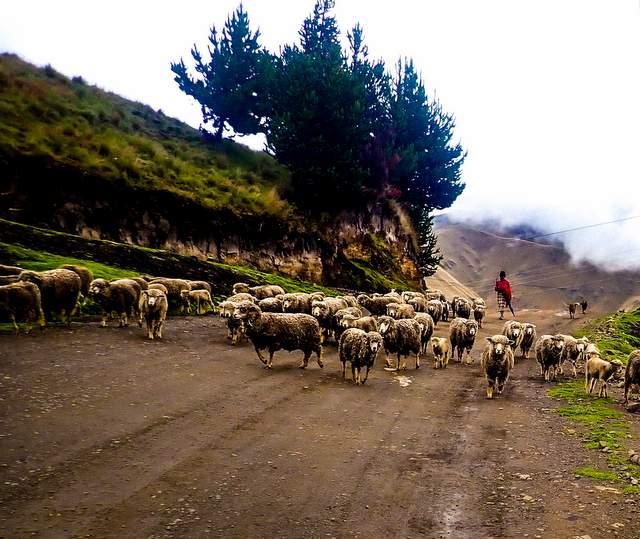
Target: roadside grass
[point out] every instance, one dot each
(601, 423)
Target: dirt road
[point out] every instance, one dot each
(104, 434)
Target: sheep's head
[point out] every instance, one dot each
(528, 329)
(471, 327)
(437, 342)
(375, 341)
(240, 288)
(385, 324)
(346, 321)
(363, 299)
(392, 309)
(227, 309)
(499, 344)
(153, 297)
(617, 364)
(184, 294)
(98, 287)
(319, 309)
(247, 310)
(557, 343)
(515, 329)
(316, 296)
(31, 277)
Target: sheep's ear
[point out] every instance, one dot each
(511, 343)
(490, 339)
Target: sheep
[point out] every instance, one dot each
(513, 331)
(271, 305)
(200, 285)
(596, 369)
(434, 308)
(276, 331)
(477, 301)
(235, 328)
(454, 304)
(463, 308)
(337, 319)
(359, 348)
(298, 302)
(350, 300)
(59, 291)
(260, 291)
(10, 270)
(154, 306)
(572, 309)
(377, 306)
(528, 338)
(426, 329)
(158, 286)
(242, 296)
(441, 352)
(174, 289)
(200, 297)
(548, 350)
(325, 310)
(497, 361)
(445, 310)
(21, 301)
(408, 295)
(434, 294)
(400, 310)
(462, 335)
(478, 314)
(395, 295)
(365, 323)
(573, 352)
(142, 283)
(121, 296)
(401, 337)
(632, 373)
(85, 274)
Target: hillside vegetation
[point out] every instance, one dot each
(53, 121)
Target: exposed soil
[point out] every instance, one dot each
(105, 434)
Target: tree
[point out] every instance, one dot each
(232, 86)
(429, 256)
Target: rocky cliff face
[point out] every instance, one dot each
(340, 251)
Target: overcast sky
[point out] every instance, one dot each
(546, 94)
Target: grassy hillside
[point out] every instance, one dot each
(59, 122)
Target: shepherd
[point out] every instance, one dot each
(503, 293)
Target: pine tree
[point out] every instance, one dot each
(232, 87)
(429, 256)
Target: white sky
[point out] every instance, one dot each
(546, 94)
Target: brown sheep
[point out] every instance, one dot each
(260, 292)
(200, 297)
(174, 288)
(596, 369)
(548, 350)
(10, 270)
(158, 286)
(85, 274)
(462, 335)
(632, 373)
(154, 306)
(271, 305)
(200, 285)
(121, 296)
(400, 310)
(497, 362)
(441, 352)
(59, 290)
(21, 302)
(528, 338)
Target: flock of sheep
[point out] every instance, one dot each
(400, 323)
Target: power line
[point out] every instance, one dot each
(531, 238)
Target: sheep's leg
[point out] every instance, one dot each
(469, 358)
(366, 375)
(605, 393)
(592, 384)
(150, 329)
(319, 356)
(15, 326)
(270, 363)
(260, 356)
(559, 369)
(353, 373)
(489, 389)
(344, 369)
(387, 362)
(575, 369)
(417, 361)
(626, 391)
(103, 324)
(160, 326)
(305, 359)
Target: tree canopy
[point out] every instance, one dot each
(349, 130)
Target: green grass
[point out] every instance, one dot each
(594, 473)
(41, 260)
(50, 121)
(616, 335)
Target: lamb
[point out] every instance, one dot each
(401, 337)
(513, 331)
(200, 297)
(573, 352)
(426, 328)
(260, 291)
(596, 369)
(21, 301)
(572, 309)
(59, 291)
(121, 296)
(365, 323)
(276, 331)
(497, 361)
(200, 285)
(271, 305)
(441, 352)
(463, 308)
(359, 348)
(548, 350)
(154, 306)
(528, 338)
(377, 306)
(325, 310)
(434, 308)
(462, 335)
(632, 373)
(85, 274)
(235, 327)
(174, 288)
(400, 310)
(478, 314)
(297, 302)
